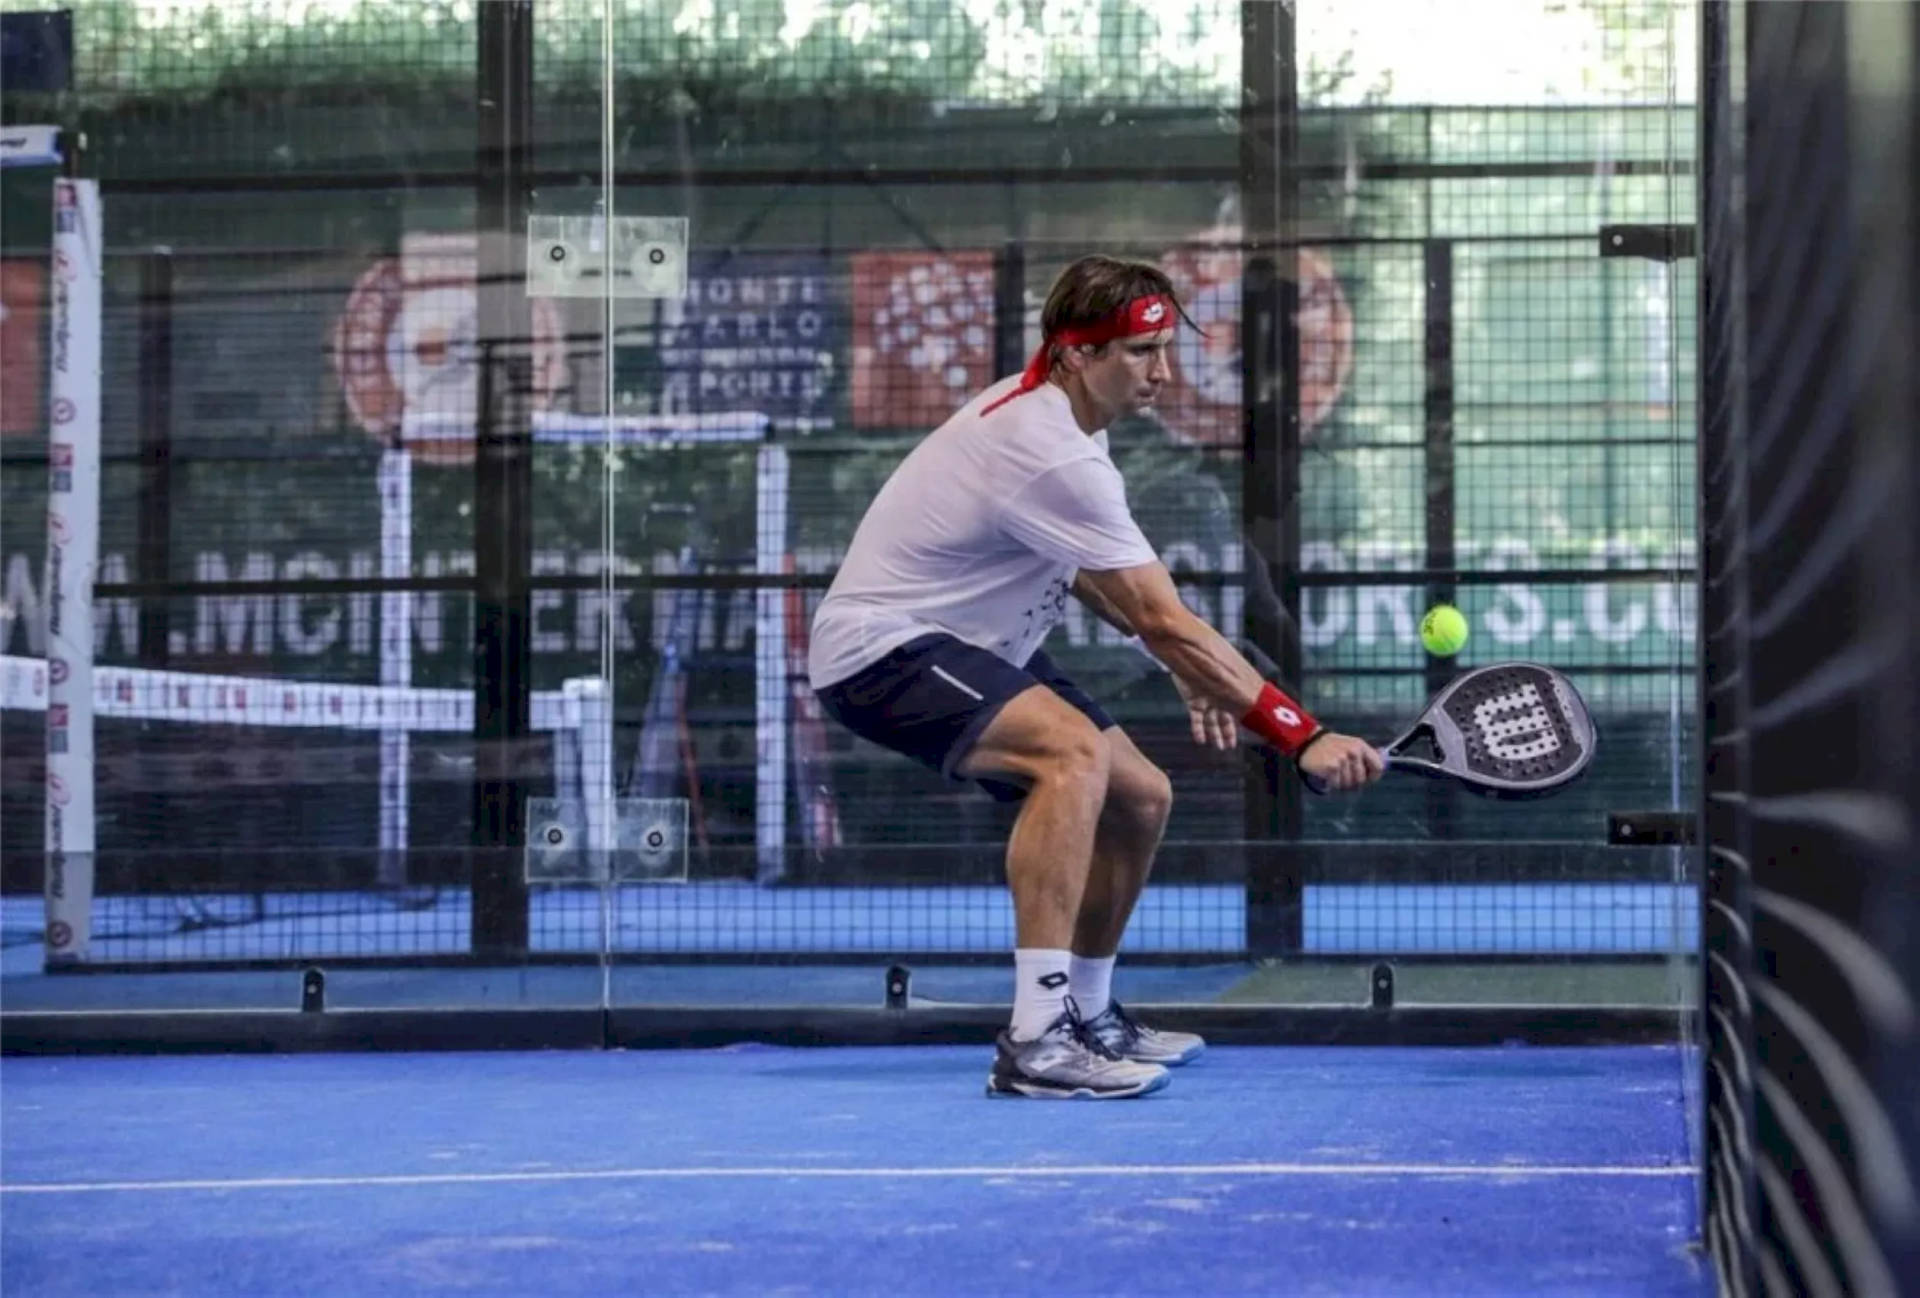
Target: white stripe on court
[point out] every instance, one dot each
(957, 683)
(1480, 1171)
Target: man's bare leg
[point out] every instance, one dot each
(1043, 742)
(1047, 744)
(1132, 821)
(1051, 747)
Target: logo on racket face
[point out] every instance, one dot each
(1516, 726)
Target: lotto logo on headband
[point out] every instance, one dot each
(1154, 312)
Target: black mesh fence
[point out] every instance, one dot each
(1486, 406)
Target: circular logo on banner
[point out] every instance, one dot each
(922, 335)
(59, 934)
(1204, 405)
(57, 529)
(63, 265)
(57, 792)
(57, 670)
(62, 411)
(408, 359)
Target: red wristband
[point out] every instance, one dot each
(1280, 721)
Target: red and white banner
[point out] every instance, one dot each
(23, 296)
(922, 335)
(406, 348)
(73, 548)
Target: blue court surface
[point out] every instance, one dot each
(772, 1171)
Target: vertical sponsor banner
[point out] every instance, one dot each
(73, 541)
(396, 653)
(922, 335)
(770, 676)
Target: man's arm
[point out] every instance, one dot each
(1145, 600)
(1103, 608)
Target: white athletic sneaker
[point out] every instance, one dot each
(1067, 1062)
(1120, 1033)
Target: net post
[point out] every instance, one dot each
(395, 479)
(589, 734)
(770, 666)
(567, 765)
(73, 546)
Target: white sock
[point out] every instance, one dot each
(1091, 982)
(1040, 981)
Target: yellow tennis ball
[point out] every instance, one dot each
(1443, 630)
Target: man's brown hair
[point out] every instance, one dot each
(1096, 286)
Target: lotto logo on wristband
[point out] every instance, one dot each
(1279, 720)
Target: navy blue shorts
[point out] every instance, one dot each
(931, 698)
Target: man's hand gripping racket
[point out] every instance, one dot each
(1509, 730)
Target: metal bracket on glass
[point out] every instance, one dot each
(626, 257)
(650, 840)
(559, 843)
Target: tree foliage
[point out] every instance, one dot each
(950, 52)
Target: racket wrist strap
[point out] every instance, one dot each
(1279, 720)
(1319, 733)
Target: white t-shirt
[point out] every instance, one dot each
(979, 533)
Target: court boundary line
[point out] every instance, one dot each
(1484, 1171)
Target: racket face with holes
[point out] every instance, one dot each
(1509, 730)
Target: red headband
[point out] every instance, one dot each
(1143, 315)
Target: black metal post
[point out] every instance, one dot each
(153, 555)
(1438, 349)
(1730, 1196)
(1270, 481)
(502, 480)
(1009, 308)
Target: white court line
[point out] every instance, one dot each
(1480, 1170)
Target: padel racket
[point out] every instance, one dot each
(1509, 730)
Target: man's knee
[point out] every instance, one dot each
(1142, 793)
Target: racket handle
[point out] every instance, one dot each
(1318, 786)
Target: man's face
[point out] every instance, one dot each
(1126, 375)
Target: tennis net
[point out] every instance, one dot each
(252, 818)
